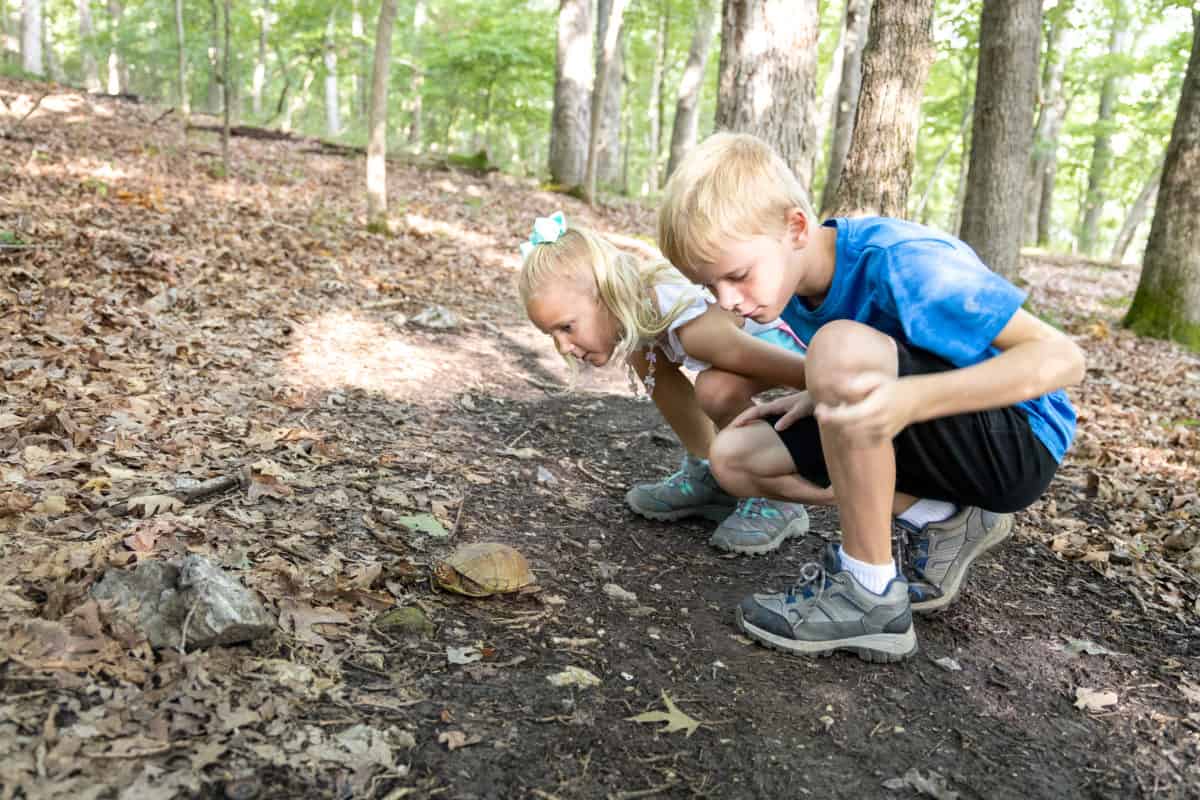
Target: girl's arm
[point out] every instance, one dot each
(716, 337)
(676, 400)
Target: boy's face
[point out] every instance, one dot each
(575, 318)
(750, 276)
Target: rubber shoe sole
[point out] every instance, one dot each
(713, 513)
(796, 528)
(997, 535)
(879, 648)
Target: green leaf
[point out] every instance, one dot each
(424, 523)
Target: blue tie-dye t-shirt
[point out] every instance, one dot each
(930, 291)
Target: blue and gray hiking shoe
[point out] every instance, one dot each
(760, 526)
(828, 610)
(939, 555)
(691, 492)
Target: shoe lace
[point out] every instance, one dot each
(750, 507)
(811, 584)
(912, 559)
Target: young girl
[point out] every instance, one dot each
(601, 305)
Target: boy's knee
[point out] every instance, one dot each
(722, 395)
(842, 350)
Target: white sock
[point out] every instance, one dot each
(873, 577)
(925, 511)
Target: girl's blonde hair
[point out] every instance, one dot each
(623, 283)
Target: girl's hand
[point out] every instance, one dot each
(789, 409)
(882, 412)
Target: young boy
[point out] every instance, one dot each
(924, 379)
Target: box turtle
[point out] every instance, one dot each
(482, 569)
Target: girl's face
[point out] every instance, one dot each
(576, 319)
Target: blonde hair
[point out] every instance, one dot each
(731, 186)
(621, 281)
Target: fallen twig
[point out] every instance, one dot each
(185, 496)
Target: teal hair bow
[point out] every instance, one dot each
(545, 230)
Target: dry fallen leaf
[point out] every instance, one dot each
(1094, 699)
(676, 720)
(152, 504)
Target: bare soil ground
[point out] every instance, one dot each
(161, 326)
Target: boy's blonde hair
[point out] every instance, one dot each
(623, 282)
(731, 186)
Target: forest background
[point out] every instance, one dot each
(478, 79)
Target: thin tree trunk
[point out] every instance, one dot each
(878, 169)
(333, 116)
(609, 148)
(357, 84)
(656, 104)
(53, 64)
(1049, 177)
(227, 82)
(1137, 213)
(215, 88)
(377, 145)
(768, 76)
(687, 107)
(31, 36)
(181, 42)
(298, 98)
(1002, 133)
(1045, 136)
(417, 83)
(919, 213)
(118, 72)
(858, 17)
(87, 45)
(1093, 202)
(826, 103)
(612, 32)
(1167, 302)
(260, 63)
(571, 120)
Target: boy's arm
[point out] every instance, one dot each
(715, 337)
(1035, 359)
(675, 398)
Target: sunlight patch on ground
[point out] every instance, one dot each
(342, 350)
(82, 169)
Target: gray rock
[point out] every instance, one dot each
(158, 596)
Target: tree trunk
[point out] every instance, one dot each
(1167, 302)
(1045, 136)
(858, 16)
(1137, 214)
(333, 115)
(215, 88)
(417, 83)
(1048, 178)
(377, 113)
(87, 44)
(768, 76)
(687, 108)
(920, 212)
(656, 104)
(1093, 203)
(877, 172)
(297, 99)
(118, 72)
(609, 149)
(612, 33)
(1002, 133)
(226, 75)
(53, 65)
(31, 36)
(357, 84)
(181, 42)
(571, 120)
(260, 63)
(826, 103)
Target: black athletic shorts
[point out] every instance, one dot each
(990, 459)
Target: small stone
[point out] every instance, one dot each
(409, 620)
(620, 595)
(947, 663)
(594, 545)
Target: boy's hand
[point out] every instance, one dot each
(882, 412)
(789, 409)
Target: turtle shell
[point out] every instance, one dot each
(483, 568)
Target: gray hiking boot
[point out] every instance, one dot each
(692, 491)
(940, 554)
(760, 526)
(828, 610)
